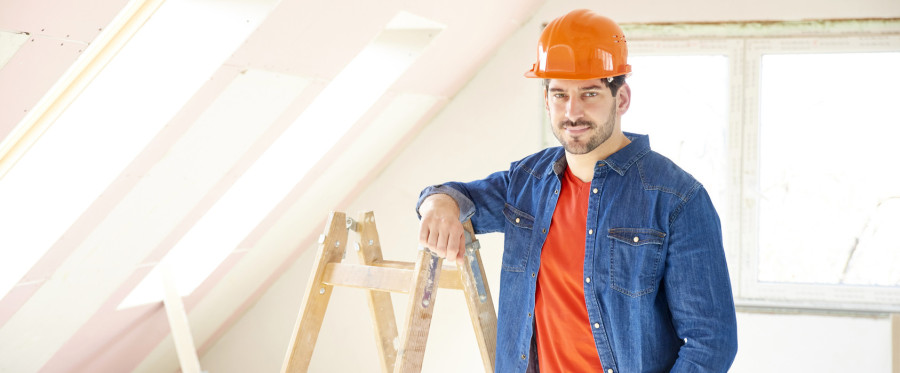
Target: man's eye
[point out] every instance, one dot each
(590, 94)
(559, 96)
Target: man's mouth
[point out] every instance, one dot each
(577, 127)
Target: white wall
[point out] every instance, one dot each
(492, 121)
(812, 343)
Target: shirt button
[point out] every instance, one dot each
(609, 371)
(532, 274)
(636, 239)
(596, 325)
(587, 279)
(590, 231)
(595, 190)
(545, 230)
(523, 357)
(529, 314)
(556, 191)
(517, 220)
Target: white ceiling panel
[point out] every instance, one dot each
(165, 63)
(218, 127)
(202, 157)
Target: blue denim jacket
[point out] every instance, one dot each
(656, 283)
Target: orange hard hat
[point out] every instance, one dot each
(581, 45)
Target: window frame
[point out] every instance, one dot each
(744, 44)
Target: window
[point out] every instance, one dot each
(841, 201)
(794, 137)
(696, 140)
(110, 122)
(286, 162)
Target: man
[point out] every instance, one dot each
(613, 257)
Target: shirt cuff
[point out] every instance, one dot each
(466, 207)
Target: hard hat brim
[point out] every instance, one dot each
(534, 73)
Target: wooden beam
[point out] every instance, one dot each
(178, 322)
(101, 50)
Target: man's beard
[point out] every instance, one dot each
(595, 139)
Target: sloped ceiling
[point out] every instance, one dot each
(64, 313)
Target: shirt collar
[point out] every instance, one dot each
(560, 165)
(619, 161)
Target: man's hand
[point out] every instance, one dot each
(440, 229)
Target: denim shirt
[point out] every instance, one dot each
(655, 283)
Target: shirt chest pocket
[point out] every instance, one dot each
(517, 236)
(634, 260)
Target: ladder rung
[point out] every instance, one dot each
(385, 275)
(397, 352)
(445, 269)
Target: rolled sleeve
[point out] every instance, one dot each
(466, 206)
(479, 200)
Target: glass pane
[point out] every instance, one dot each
(829, 186)
(682, 103)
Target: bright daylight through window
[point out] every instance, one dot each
(284, 164)
(88, 146)
(829, 192)
(795, 139)
(697, 140)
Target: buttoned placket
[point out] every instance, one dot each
(601, 340)
(544, 225)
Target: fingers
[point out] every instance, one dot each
(453, 251)
(444, 237)
(434, 242)
(429, 236)
(440, 229)
(462, 250)
(423, 234)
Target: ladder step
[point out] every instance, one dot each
(389, 276)
(399, 353)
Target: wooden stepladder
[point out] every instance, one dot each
(420, 279)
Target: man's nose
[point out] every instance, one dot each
(574, 109)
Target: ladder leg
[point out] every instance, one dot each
(419, 311)
(315, 300)
(380, 305)
(409, 355)
(479, 301)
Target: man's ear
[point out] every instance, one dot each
(623, 99)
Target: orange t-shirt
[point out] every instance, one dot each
(565, 342)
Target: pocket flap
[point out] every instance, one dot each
(637, 236)
(518, 217)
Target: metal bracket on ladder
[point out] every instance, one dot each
(420, 279)
(475, 262)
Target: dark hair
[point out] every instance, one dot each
(613, 85)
